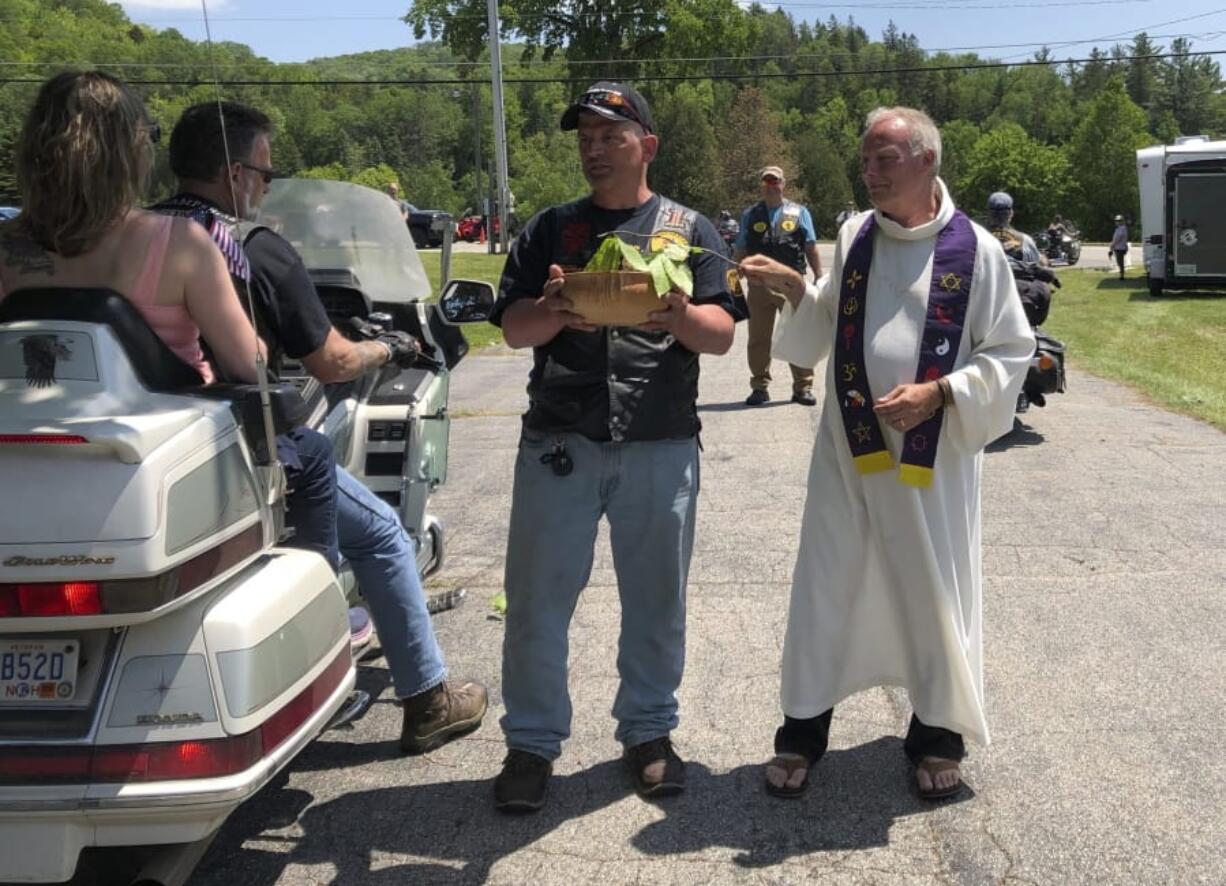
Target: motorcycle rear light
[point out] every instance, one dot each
(174, 760)
(1046, 362)
(129, 595)
(67, 598)
(35, 439)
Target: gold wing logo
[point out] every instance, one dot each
(789, 226)
(760, 227)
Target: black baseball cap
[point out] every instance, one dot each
(613, 101)
(1000, 202)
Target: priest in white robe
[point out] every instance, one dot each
(927, 344)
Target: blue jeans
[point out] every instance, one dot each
(310, 502)
(649, 493)
(384, 561)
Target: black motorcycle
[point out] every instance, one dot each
(1046, 372)
(1060, 245)
(729, 229)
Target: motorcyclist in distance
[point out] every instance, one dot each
(1017, 245)
(728, 227)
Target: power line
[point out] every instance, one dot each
(772, 75)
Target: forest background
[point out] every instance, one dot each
(732, 89)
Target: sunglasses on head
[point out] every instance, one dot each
(267, 174)
(615, 101)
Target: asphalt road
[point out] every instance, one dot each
(1105, 564)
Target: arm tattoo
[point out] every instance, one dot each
(26, 256)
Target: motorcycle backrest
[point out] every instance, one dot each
(157, 367)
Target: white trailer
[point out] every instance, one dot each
(1183, 222)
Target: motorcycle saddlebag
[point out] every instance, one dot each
(1045, 376)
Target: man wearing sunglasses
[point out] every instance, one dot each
(223, 180)
(611, 431)
(779, 229)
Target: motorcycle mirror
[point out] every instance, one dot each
(466, 301)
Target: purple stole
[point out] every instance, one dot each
(953, 264)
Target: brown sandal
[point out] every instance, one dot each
(789, 763)
(933, 766)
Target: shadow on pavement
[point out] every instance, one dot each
(855, 796)
(450, 830)
(452, 834)
(741, 406)
(1021, 435)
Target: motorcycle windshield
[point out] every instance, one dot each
(340, 226)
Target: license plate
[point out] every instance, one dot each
(38, 671)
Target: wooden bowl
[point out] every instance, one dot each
(612, 298)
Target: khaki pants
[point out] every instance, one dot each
(762, 310)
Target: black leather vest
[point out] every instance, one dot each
(784, 241)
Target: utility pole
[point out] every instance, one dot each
(500, 123)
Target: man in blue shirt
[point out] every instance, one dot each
(782, 230)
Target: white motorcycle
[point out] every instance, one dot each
(389, 429)
(162, 654)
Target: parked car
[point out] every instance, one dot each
(471, 228)
(428, 226)
(8, 213)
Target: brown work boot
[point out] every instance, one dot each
(434, 717)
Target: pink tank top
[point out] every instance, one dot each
(172, 323)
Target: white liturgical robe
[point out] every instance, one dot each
(888, 587)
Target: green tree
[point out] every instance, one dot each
(1188, 85)
(1103, 158)
(748, 140)
(686, 164)
(823, 178)
(1141, 77)
(547, 172)
(1007, 159)
(958, 137)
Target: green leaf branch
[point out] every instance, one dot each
(668, 267)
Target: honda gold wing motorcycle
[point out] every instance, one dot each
(162, 653)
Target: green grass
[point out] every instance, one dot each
(1171, 348)
(469, 266)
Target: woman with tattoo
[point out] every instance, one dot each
(83, 161)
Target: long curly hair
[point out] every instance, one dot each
(83, 160)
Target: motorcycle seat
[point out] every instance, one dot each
(157, 367)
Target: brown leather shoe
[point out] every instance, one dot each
(434, 717)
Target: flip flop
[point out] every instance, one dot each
(789, 763)
(933, 767)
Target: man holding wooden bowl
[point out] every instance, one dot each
(611, 430)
